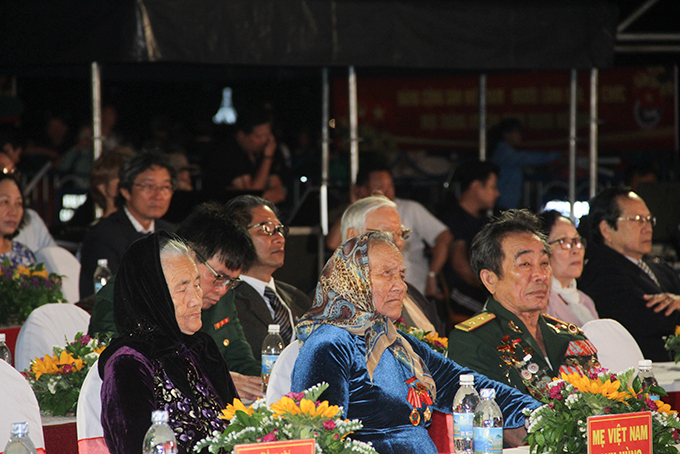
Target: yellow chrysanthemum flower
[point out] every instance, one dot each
(46, 365)
(285, 405)
(66, 358)
(99, 350)
(677, 329)
(608, 389)
(663, 407)
(23, 271)
(432, 337)
(41, 273)
(230, 411)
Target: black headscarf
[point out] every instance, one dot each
(145, 316)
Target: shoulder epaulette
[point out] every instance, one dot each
(570, 327)
(475, 322)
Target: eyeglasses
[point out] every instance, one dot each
(148, 188)
(570, 243)
(269, 228)
(220, 281)
(404, 233)
(639, 219)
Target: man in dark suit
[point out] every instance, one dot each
(261, 300)
(641, 293)
(380, 213)
(147, 182)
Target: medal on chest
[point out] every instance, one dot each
(418, 396)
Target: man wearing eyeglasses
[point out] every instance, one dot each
(625, 284)
(378, 213)
(147, 182)
(262, 300)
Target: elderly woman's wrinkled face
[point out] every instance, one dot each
(566, 259)
(387, 279)
(184, 284)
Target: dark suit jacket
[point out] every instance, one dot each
(428, 307)
(254, 313)
(617, 285)
(109, 239)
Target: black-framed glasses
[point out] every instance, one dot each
(570, 243)
(639, 219)
(220, 280)
(269, 228)
(404, 233)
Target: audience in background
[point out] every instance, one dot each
(147, 182)
(465, 218)
(567, 251)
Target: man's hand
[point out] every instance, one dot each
(515, 437)
(249, 388)
(660, 301)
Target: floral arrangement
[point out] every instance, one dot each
(673, 344)
(296, 416)
(23, 288)
(432, 339)
(560, 425)
(56, 379)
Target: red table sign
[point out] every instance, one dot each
(277, 447)
(619, 434)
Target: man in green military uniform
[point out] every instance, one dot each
(511, 340)
(222, 248)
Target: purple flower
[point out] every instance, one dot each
(329, 425)
(84, 339)
(295, 396)
(269, 437)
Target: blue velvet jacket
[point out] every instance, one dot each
(337, 357)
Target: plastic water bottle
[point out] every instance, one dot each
(488, 424)
(159, 439)
(271, 349)
(647, 376)
(19, 441)
(5, 354)
(102, 274)
(464, 405)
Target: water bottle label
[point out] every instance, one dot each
(268, 363)
(98, 286)
(462, 425)
(488, 440)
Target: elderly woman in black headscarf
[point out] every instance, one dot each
(389, 380)
(160, 361)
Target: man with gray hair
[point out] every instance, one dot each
(511, 340)
(378, 213)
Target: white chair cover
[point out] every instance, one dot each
(59, 260)
(617, 350)
(88, 415)
(18, 404)
(47, 326)
(279, 380)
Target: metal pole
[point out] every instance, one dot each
(325, 114)
(353, 122)
(592, 187)
(677, 121)
(572, 143)
(96, 110)
(482, 117)
(96, 119)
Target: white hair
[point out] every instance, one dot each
(174, 247)
(355, 215)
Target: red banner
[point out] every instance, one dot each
(620, 434)
(635, 109)
(277, 447)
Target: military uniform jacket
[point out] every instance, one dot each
(482, 342)
(222, 324)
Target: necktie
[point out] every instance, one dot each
(649, 272)
(280, 314)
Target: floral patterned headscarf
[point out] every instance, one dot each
(344, 298)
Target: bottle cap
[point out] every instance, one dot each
(20, 428)
(467, 379)
(274, 328)
(488, 393)
(103, 262)
(2, 337)
(645, 363)
(159, 417)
